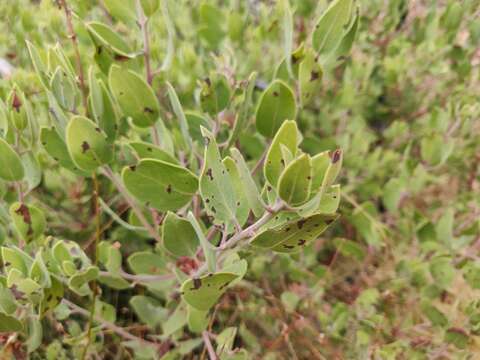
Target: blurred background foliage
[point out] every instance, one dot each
(400, 276)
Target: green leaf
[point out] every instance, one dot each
(146, 150)
(51, 296)
(56, 148)
(208, 249)
(29, 221)
(309, 77)
(162, 185)
(197, 320)
(79, 282)
(9, 323)
(145, 262)
(244, 111)
(225, 340)
(349, 248)
(148, 310)
(332, 26)
(101, 106)
(346, 44)
(105, 37)
(11, 168)
(175, 321)
(276, 105)
(14, 258)
(87, 144)
(150, 6)
(295, 182)
(33, 172)
(249, 186)
(8, 305)
(179, 236)
(178, 111)
(123, 10)
(64, 89)
(110, 256)
(35, 334)
(294, 235)
(195, 122)
(202, 293)
(273, 166)
(39, 272)
(216, 187)
(134, 96)
(457, 337)
(243, 208)
(362, 220)
(38, 64)
(214, 94)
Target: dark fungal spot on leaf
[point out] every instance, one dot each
(288, 246)
(149, 149)
(309, 177)
(97, 129)
(314, 75)
(282, 162)
(169, 188)
(300, 223)
(210, 173)
(269, 188)
(197, 284)
(207, 200)
(133, 167)
(148, 110)
(85, 147)
(301, 242)
(214, 210)
(224, 285)
(119, 57)
(275, 93)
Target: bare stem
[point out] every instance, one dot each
(95, 261)
(106, 324)
(73, 37)
(138, 212)
(140, 277)
(208, 344)
(143, 23)
(250, 231)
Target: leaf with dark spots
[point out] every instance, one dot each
(335, 156)
(85, 147)
(202, 293)
(197, 284)
(291, 236)
(210, 174)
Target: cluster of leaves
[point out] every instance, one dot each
(168, 171)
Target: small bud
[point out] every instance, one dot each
(16, 102)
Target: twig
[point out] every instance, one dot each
(140, 277)
(106, 324)
(73, 37)
(208, 344)
(95, 261)
(250, 231)
(143, 23)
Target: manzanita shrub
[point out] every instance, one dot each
(170, 179)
